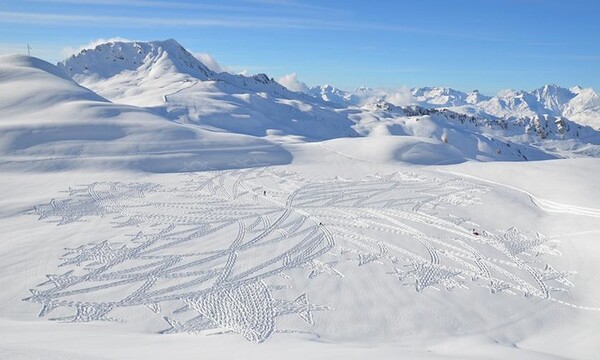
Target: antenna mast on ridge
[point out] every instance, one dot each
(28, 50)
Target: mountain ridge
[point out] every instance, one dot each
(164, 77)
(162, 58)
(581, 105)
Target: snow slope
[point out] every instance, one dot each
(584, 108)
(50, 122)
(456, 137)
(340, 258)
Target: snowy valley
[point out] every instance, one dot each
(153, 208)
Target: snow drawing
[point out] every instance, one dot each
(211, 253)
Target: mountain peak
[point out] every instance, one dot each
(439, 96)
(263, 78)
(575, 89)
(111, 58)
(332, 94)
(553, 97)
(476, 97)
(551, 89)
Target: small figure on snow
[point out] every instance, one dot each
(475, 232)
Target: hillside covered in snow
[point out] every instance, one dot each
(165, 78)
(50, 122)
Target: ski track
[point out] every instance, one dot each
(211, 246)
(544, 204)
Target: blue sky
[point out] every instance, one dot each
(466, 44)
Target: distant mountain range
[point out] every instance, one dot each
(581, 105)
(129, 70)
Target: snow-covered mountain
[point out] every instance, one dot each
(169, 80)
(549, 99)
(332, 94)
(439, 96)
(475, 97)
(164, 76)
(584, 107)
(50, 122)
(481, 138)
(146, 62)
(110, 59)
(581, 105)
(557, 135)
(552, 97)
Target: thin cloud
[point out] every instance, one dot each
(287, 20)
(295, 5)
(145, 3)
(399, 96)
(231, 22)
(250, 21)
(395, 70)
(270, 7)
(565, 57)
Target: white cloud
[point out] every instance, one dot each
(400, 96)
(68, 51)
(505, 92)
(291, 82)
(209, 61)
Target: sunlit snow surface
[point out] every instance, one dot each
(275, 255)
(128, 235)
(218, 249)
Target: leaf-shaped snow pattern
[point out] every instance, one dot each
(517, 243)
(210, 252)
(247, 310)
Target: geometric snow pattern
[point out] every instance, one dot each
(201, 254)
